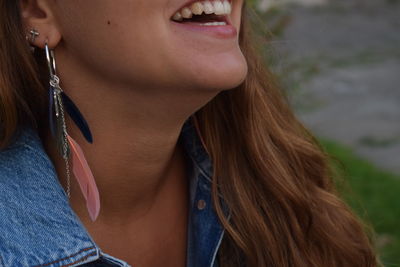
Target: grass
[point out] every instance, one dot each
(374, 195)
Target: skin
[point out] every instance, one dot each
(136, 77)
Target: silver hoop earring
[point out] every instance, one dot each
(60, 104)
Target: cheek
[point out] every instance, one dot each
(115, 42)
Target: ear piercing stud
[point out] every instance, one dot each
(33, 34)
(31, 37)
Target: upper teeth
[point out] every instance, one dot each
(208, 7)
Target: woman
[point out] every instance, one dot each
(184, 151)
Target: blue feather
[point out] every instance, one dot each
(51, 112)
(77, 117)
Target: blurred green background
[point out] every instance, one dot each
(339, 64)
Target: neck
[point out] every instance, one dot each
(135, 155)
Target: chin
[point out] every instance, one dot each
(221, 76)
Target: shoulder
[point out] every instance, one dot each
(25, 169)
(35, 217)
(24, 158)
(25, 172)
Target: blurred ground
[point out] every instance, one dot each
(340, 61)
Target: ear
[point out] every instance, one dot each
(39, 15)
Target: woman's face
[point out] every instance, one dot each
(137, 43)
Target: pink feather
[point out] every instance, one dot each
(85, 178)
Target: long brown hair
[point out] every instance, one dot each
(272, 173)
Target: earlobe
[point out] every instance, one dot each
(42, 35)
(52, 38)
(39, 15)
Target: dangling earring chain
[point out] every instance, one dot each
(59, 110)
(56, 91)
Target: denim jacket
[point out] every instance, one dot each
(39, 228)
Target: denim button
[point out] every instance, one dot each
(201, 204)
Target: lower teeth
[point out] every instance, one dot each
(213, 23)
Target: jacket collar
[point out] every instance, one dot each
(39, 228)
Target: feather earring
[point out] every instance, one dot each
(86, 180)
(67, 146)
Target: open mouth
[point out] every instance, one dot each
(208, 13)
(210, 19)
